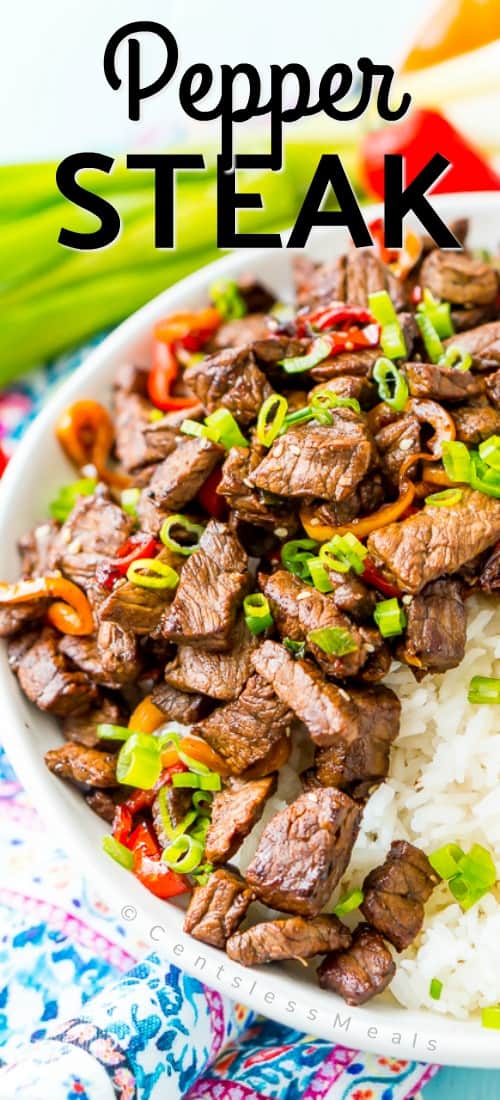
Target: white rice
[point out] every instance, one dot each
(443, 787)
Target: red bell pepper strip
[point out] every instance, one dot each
(333, 316)
(189, 330)
(375, 579)
(137, 546)
(161, 378)
(149, 867)
(417, 138)
(387, 255)
(209, 498)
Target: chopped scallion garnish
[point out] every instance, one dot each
(455, 359)
(257, 613)
(456, 460)
(439, 314)
(435, 989)
(333, 640)
(129, 500)
(297, 649)
(490, 1017)
(392, 386)
(226, 297)
(319, 575)
(320, 349)
(484, 689)
(489, 452)
(157, 575)
(433, 345)
(296, 554)
(270, 420)
(118, 852)
(349, 903)
(191, 530)
(392, 339)
(390, 618)
(63, 504)
(184, 855)
(139, 762)
(447, 499)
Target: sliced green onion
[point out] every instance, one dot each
(193, 427)
(299, 416)
(344, 548)
(319, 575)
(490, 1017)
(445, 860)
(257, 612)
(270, 420)
(63, 504)
(202, 873)
(320, 349)
(478, 867)
(456, 460)
(392, 386)
(113, 733)
(129, 500)
(226, 429)
(456, 359)
(489, 451)
(433, 345)
(484, 478)
(184, 855)
(391, 337)
(139, 762)
(296, 554)
(226, 297)
(325, 399)
(333, 640)
(173, 831)
(349, 903)
(435, 989)
(201, 828)
(190, 529)
(297, 649)
(202, 801)
(155, 414)
(390, 618)
(118, 852)
(327, 556)
(210, 782)
(159, 574)
(447, 499)
(484, 689)
(173, 738)
(439, 314)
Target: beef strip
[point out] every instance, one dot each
(103, 803)
(489, 579)
(395, 443)
(359, 363)
(235, 811)
(492, 387)
(140, 441)
(458, 278)
(118, 653)
(352, 596)
(442, 383)
(294, 938)
(257, 297)
(140, 609)
(395, 893)
(177, 480)
(298, 609)
(304, 851)
(366, 274)
(436, 541)
(248, 732)
(179, 706)
(482, 343)
(18, 646)
(366, 498)
(84, 653)
(348, 385)
(476, 422)
(82, 728)
(213, 583)
(436, 627)
(217, 909)
(92, 534)
(464, 319)
(35, 549)
(49, 680)
(13, 617)
(178, 804)
(359, 759)
(361, 972)
(318, 284)
(247, 503)
(230, 378)
(82, 765)
(274, 348)
(317, 460)
(241, 332)
(220, 675)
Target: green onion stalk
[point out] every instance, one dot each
(53, 298)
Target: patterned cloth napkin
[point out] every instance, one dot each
(82, 1019)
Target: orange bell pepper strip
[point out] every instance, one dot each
(85, 432)
(203, 753)
(146, 718)
(71, 614)
(364, 525)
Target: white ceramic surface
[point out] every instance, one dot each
(287, 993)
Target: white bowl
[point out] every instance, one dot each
(287, 993)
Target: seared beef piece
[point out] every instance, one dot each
(248, 504)
(395, 443)
(35, 548)
(318, 284)
(92, 533)
(82, 728)
(359, 363)
(49, 680)
(441, 383)
(436, 629)
(177, 480)
(139, 441)
(217, 909)
(118, 653)
(140, 609)
(294, 938)
(241, 332)
(213, 583)
(84, 653)
(298, 609)
(483, 343)
(248, 731)
(349, 385)
(394, 894)
(489, 579)
(352, 596)
(458, 278)
(410, 331)
(492, 386)
(379, 662)
(13, 617)
(464, 319)
(304, 851)
(219, 675)
(317, 460)
(365, 274)
(179, 706)
(257, 297)
(359, 758)
(476, 422)
(366, 498)
(81, 765)
(131, 378)
(230, 378)
(332, 715)
(103, 803)
(361, 972)
(436, 541)
(18, 646)
(178, 804)
(269, 352)
(235, 811)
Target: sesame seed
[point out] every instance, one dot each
(314, 521)
(303, 595)
(295, 450)
(281, 532)
(407, 600)
(345, 694)
(405, 444)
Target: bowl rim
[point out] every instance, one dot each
(270, 990)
